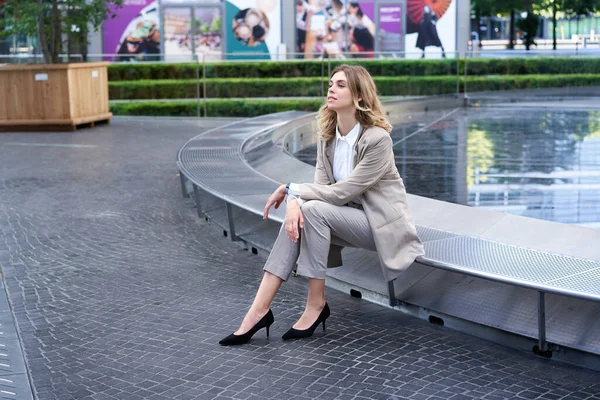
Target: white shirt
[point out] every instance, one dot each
(343, 160)
(344, 153)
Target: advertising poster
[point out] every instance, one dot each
(430, 28)
(329, 28)
(178, 33)
(134, 33)
(390, 27)
(207, 32)
(253, 27)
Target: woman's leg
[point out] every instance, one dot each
(278, 268)
(324, 223)
(315, 302)
(262, 301)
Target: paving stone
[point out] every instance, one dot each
(120, 291)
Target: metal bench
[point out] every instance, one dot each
(231, 170)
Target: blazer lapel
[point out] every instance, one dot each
(356, 149)
(329, 152)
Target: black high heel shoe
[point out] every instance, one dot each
(265, 322)
(298, 334)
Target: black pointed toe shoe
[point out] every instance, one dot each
(265, 322)
(298, 334)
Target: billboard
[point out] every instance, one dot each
(390, 27)
(430, 27)
(135, 31)
(178, 33)
(207, 31)
(189, 31)
(253, 27)
(332, 27)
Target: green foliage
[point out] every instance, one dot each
(506, 6)
(484, 8)
(52, 20)
(237, 83)
(298, 69)
(20, 17)
(215, 108)
(427, 86)
(578, 7)
(479, 83)
(383, 68)
(221, 88)
(528, 66)
(270, 87)
(311, 87)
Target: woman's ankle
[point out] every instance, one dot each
(317, 304)
(259, 310)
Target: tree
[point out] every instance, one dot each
(511, 7)
(579, 8)
(52, 22)
(482, 8)
(568, 7)
(554, 21)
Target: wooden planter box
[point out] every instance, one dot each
(53, 97)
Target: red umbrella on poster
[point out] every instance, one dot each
(415, 8)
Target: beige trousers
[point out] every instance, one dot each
(324, 224)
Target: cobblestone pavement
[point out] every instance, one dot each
(120, 292)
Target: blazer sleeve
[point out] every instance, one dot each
(367, 172)
(321, 177)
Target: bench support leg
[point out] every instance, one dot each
(197, 200)
(542, 349)
(184, 191)
(232, 234)
(392, 294)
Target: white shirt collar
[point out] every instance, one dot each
(350, 137)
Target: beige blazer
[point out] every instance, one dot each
(376, 184)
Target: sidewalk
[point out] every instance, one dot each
(119, 291)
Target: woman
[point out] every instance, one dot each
(357, 199)
(428, 34)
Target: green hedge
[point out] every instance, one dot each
(532, 66)
(215, 108)
(270, 69)
(311, 87)
(270, 87)
(221, 88)
(479, 83)
(439, 85)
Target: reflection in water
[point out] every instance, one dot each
(535, 163)
(480, 156)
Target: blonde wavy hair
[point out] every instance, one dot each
(369, 111)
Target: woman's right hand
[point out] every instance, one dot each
(276, 199)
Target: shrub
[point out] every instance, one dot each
(215, 108)
(312, 87)
(390, 68)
